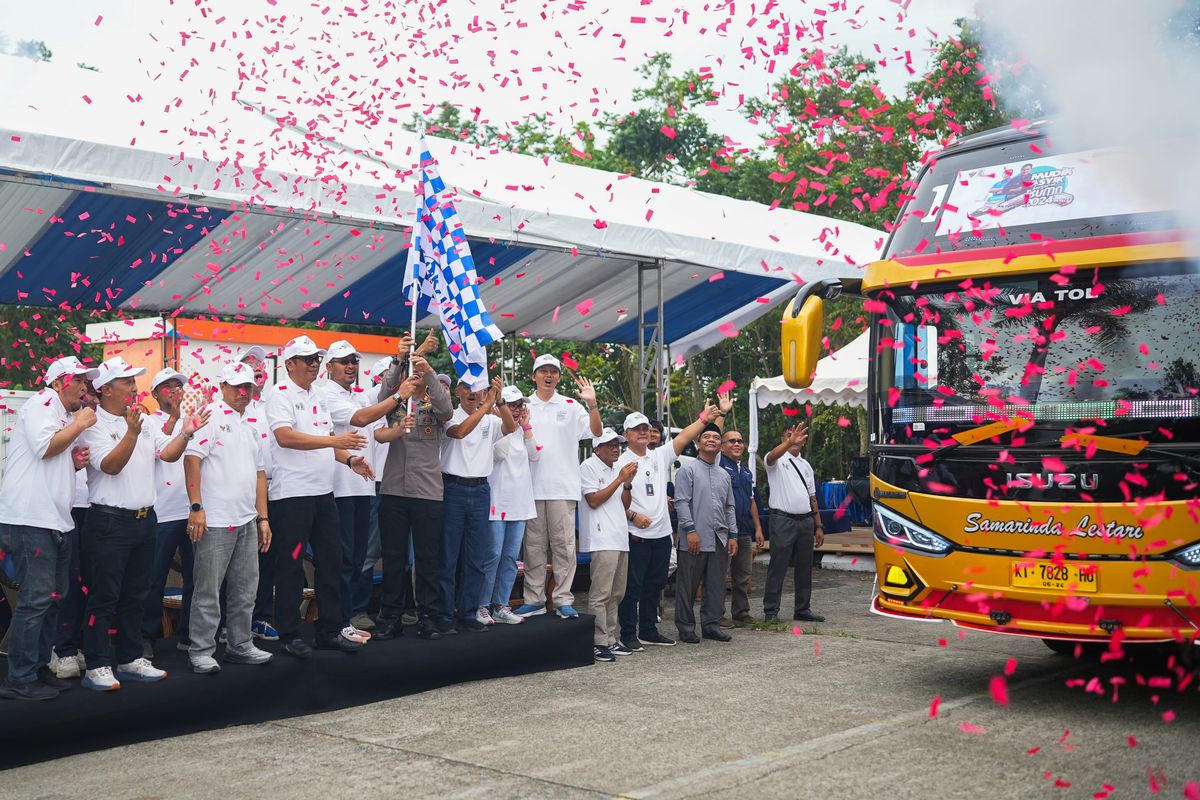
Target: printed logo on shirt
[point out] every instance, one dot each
(561, 416)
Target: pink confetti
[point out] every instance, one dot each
(98, 20)
(969, 727)
(667, 131)
(999, 690)
(933, 706)
(584, 307)
(727, 386)
(728, 329)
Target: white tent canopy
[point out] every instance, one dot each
(841, 378)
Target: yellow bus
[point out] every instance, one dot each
(1034, 395)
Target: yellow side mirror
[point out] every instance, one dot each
(800, 346)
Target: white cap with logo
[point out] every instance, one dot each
(301, 346)
(546, 360)
(254, 352)
(235, 373)
(168, 374)
(340, 349)
(68, 365)
(113, 369)
(511, 394)
(606, 435)
(379, 367)
(634, 420)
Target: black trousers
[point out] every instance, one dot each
(693, 571)
(792, 542)
(69, 636)
(405, 522)
(297, 523)
(119, 553)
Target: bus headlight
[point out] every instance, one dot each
(893, 529)
(1188, 556)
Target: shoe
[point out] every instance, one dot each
(619, 649)
(338, 642)
(353, 634)
(46, 676)
(223, 636)
(34, 690)
(100, 679)
(205, 665)
(148, 651)
(388, 628)
(428, 631)
(717, 635)
(472, 625)
(410, 618)
(807, 616)
(140, 671)
(251, 655)
(632, 645)
(656, 638)
(601, 653)
(445, 627)
(690, 637)
(297, 648)
(725, 622)
(506, 616)
(746, 618)
(183, 645)
(363, 622)
(483, 616)
(68, 668)
(528, 610)
(567, 612)
(261, 629)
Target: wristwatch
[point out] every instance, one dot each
(261, 520)
(197, 506)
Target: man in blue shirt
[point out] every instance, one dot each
(745, 501)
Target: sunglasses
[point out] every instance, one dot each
(310, 360)
(347, 361)
(734, 441)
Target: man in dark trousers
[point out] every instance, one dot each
(707, 539)
(795, 525)
(750, 533)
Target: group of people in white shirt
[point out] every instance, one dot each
(261, 480)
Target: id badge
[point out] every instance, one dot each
(649, 489)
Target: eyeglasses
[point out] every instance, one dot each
(347, 361)
(734, 441)
(310, 360)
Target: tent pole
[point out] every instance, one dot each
(660, 384)
(753, 445)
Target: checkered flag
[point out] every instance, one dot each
(440, 268)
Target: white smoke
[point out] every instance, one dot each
(1115, 74)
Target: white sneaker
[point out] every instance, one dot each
(483, 617)
(66, 668)
(100, 679)
(353, 634)
(140, 670)
(505, 615)
(205, 665)
(251, 655)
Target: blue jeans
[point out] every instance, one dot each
(649, 560)
(68, 637)
(40, 565)
(363, 583)
(465, 545)
(500, 571)
(168, 537)
(354, 515)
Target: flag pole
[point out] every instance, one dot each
(414, 289)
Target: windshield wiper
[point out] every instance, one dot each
(976, 435)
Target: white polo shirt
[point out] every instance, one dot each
(38, 491)
(650, 489)
(792, 484)
(342, 404)
(172, 504)
(81, 493)
(135, 485)
(299, 473)
(603, 528)
(471, 456)
(256, 415)
(559, 424)
(230, 460)
(510, 481)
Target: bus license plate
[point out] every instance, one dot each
(1045, 575)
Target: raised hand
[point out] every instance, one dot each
(85, 418)
(420, 366)
(196, 421)
(710, 411)
(522, 416)
(430, 345)
(797, 435)
(493, 393)
(353, 440)
(403, 345)
(587, 390)
(725, 402)
(133, 418)
(411, 386)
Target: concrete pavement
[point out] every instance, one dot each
(840, 710)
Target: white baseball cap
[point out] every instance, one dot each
(379, 367)
(511, 394)
(301, 346)
(340, 349)
(235, 373)
(114, 368)
(256, 352)
(475, 384)
(546, 360)
(168, 374)
(635, 419)
(606, 435)
(68, 365)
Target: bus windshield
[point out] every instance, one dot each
(1114, 350)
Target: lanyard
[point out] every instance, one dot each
(800, 474)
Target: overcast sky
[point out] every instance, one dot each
(572, 59)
